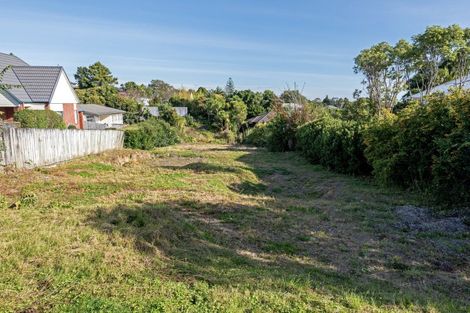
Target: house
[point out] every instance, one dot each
(261, 119)
(36, 88)
(446, 87)
(95, 116)
(269, 116)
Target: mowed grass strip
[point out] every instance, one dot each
(216, 228)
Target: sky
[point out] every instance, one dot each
(261, 44)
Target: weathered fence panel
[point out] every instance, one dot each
(30, 147)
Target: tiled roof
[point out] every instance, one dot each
(10, 59)
(264, 118)
(10, 78)
(38, 81)
(29, 83)
(97, 109)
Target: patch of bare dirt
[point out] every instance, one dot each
(416, 219)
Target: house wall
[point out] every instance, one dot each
(70, 114)
(111, 119)
(35, 106)
(63, 92)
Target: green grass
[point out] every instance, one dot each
(216, 228)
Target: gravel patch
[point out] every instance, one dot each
(416, 219)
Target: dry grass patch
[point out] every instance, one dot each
(211, 228)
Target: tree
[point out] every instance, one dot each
(293, 96)
(253, 101)
(97, 95)
(160, 91)
(385, 69)
(2, 73)
(95, 75)
(229, 87)
(461, 68)
(134, 90)
(238, 112)
(435, 51)
(269, 100)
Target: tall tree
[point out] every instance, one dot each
(461, 68)
(230, 87)
(95, 75)
(435, 47)
(269, 100)
(385, 69)
(135, 91)
(253, 101)
(160, 91)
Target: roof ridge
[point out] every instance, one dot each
(41, 66)
(22, 86)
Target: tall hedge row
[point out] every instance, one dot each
(425, 146)
(150, 134)
(335, 144)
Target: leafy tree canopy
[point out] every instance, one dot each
(95, 75)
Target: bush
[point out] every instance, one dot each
(150, 134)
(39, 119)
(335, 144)
(426, 147)
(257, 136)
(169, 115)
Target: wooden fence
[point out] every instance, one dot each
(30, 147)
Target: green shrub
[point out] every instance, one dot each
(169, 115)
(281, 134)
(150, 134)
(425, 147)
(28, 199)
(335, 144)
(257, 136)
(39, 119)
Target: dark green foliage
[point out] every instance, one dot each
(257, 136)
(169, 115)
(95, 75)
(254, 102)
(150, 134)
(281, 134)
(426, 147)
(39, 119)
(335, 144)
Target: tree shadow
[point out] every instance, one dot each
(293, 236)
(239, 245)
(207, 168)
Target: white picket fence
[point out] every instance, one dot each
(31, 147)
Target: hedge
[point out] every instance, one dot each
(335, 144)
(150, 134)
(257, 136)
(39, 119)
(425, 147)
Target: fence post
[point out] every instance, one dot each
(2, 148)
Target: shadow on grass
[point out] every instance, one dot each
(268, 247)
(232, 245)
(208, 168)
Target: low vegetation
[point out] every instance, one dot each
(39, 119)
(150, 134)
(217, 228)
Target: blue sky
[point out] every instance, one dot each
(261, 44)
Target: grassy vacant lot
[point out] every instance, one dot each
(213, 228)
